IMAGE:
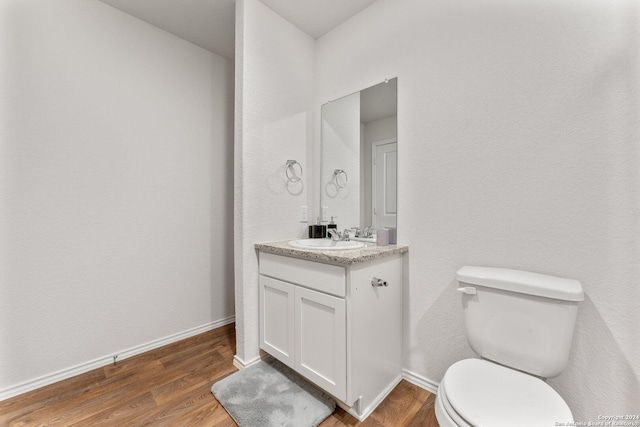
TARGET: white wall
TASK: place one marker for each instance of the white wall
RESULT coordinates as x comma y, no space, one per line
273,123
115,186
518,129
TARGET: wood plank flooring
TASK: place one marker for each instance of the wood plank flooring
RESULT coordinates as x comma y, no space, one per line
171,386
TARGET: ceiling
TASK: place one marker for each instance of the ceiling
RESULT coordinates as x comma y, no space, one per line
316,17
210,24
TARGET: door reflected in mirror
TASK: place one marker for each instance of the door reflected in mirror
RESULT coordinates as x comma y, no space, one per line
358,167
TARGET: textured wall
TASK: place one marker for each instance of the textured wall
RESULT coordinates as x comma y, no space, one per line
274,94
115,185
518,126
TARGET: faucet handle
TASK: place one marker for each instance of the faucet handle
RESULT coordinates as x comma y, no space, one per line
375,282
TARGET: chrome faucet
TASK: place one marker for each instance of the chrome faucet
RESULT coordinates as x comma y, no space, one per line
336,236
363,232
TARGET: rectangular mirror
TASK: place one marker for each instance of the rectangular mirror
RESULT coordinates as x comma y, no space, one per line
358,179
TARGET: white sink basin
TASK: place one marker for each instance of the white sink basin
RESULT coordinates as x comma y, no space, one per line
325,244
365,239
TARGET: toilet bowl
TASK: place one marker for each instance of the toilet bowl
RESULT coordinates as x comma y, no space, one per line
481,393
521,325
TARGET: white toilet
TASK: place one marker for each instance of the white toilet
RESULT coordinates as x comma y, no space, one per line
521,325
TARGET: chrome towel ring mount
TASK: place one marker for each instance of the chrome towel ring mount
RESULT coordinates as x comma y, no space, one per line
292,171
340,177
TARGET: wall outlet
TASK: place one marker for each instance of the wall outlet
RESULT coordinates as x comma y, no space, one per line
304,214
325,214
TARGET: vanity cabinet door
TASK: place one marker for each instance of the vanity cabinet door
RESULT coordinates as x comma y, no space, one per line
277,319
320,337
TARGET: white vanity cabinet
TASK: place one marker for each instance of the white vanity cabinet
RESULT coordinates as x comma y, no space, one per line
327,322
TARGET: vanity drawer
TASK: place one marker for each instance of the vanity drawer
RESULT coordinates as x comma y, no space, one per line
330,279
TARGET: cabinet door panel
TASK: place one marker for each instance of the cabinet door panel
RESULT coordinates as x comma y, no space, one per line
320,331
277,317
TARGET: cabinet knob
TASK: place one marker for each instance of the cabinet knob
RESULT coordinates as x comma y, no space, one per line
378,282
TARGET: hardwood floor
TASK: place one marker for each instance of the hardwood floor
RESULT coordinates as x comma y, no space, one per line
171,386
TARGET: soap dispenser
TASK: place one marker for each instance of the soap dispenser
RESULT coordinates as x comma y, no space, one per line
332,225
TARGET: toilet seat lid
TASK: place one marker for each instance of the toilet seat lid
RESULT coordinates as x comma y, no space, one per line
487,394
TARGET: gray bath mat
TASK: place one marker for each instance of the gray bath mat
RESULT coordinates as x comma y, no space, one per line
271,394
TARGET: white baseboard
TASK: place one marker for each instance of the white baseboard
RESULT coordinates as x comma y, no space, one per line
241,364
420,381
353,411
81,368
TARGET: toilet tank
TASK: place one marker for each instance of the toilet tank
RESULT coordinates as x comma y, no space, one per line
520,319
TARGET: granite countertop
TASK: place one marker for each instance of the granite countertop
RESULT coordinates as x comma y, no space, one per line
346,257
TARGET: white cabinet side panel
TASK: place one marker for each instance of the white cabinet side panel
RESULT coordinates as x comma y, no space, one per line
376,328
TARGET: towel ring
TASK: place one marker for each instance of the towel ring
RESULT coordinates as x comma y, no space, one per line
337,173
293,176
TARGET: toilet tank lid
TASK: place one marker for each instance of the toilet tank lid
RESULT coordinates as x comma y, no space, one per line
523,282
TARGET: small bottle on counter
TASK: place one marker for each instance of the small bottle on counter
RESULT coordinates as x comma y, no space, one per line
382,237
332,225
